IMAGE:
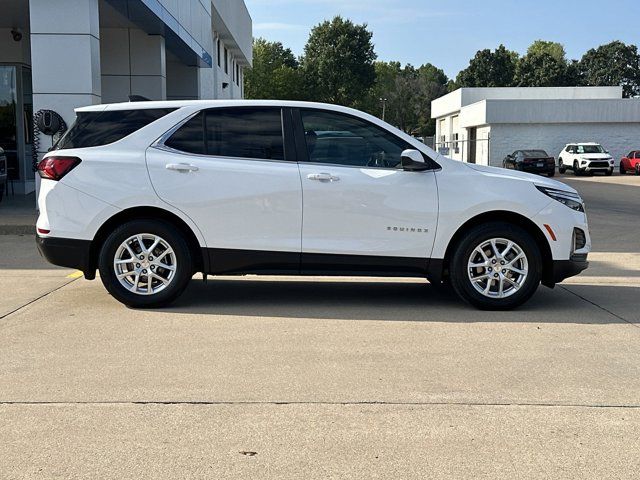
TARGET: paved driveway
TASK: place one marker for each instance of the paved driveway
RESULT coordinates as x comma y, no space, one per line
259,377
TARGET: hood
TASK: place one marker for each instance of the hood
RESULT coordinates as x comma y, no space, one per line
519,176
595,156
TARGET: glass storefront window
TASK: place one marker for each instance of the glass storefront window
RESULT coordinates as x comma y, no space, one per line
8,118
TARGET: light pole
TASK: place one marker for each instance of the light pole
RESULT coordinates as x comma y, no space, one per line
384,107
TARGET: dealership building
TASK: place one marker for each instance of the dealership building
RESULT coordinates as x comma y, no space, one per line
483,125
56,55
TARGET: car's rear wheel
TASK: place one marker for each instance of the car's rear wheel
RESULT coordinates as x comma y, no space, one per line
561,168
496,266
552,173
145,263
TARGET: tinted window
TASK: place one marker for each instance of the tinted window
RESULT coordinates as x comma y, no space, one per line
344,140
189,137
535,153
245,133
92,129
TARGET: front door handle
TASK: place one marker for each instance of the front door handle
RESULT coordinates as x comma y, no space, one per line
182,167
323,177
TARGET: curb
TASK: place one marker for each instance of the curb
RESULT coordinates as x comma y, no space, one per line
17,230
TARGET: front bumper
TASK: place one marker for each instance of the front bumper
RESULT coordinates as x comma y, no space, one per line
67,252
563,269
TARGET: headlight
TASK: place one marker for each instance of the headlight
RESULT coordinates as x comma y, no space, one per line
570,199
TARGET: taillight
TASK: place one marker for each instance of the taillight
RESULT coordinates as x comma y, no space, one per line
54,168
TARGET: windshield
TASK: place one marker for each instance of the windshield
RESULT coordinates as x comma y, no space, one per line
590,149
535,153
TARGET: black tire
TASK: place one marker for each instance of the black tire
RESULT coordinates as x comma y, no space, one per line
464,249
637,168
2,187
622,170
561,168
552,173
576,168
183,261
609,172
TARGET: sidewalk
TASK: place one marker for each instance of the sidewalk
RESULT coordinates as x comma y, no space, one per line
18,215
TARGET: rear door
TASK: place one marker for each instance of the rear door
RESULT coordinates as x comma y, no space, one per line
362,212
228,169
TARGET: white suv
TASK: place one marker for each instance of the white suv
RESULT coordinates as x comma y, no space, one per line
151,193
585,158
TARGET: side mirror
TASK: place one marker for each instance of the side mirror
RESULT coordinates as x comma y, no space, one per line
413,161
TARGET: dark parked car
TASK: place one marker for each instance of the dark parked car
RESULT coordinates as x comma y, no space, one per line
533,161
3,173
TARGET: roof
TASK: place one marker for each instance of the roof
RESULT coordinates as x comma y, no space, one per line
207,104
457,100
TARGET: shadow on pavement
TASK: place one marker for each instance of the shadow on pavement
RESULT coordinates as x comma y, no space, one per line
380,300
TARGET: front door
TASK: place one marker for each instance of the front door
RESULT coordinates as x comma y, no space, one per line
227,170
362,212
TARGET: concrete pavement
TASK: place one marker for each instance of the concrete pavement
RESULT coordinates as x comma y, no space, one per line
320,378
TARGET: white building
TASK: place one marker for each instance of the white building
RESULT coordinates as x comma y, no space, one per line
483,125
61,54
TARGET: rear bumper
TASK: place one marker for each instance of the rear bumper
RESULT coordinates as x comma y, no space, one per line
563,269
67,252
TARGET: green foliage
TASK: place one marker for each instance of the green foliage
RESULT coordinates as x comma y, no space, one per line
555,49
275,73
338,62
541,69
612,64
489,69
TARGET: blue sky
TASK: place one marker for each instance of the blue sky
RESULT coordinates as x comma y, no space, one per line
448,33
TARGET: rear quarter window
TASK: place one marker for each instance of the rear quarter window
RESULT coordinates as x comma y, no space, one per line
93,129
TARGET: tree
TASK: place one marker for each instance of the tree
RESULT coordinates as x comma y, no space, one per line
546,65
408,92
489,69
612,64
338,62
555,49
275,73
541,69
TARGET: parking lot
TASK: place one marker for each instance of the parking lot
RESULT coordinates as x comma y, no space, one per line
249,377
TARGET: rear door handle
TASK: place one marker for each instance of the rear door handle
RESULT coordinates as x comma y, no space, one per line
182,167
323,177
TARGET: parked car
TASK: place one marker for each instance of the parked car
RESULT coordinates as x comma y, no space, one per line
585,158
532,161
631,163
149,193
3,173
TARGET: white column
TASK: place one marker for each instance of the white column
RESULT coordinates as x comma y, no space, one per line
65,57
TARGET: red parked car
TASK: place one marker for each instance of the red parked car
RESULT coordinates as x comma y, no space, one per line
631,163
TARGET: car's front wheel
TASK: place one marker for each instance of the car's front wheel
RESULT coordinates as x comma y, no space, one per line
609,172
576,168
622,169
145,263
496,266
637,168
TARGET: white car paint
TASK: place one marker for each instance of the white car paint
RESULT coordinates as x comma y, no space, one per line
585,160
280,206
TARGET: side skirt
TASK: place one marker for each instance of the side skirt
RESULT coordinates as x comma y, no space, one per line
241,262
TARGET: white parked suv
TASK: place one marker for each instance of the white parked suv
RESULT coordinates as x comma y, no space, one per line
151,193
585,158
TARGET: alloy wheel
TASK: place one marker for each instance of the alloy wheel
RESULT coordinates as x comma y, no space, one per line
145,264
498,268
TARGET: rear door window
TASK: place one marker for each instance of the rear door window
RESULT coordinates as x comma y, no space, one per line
245,133
93,129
